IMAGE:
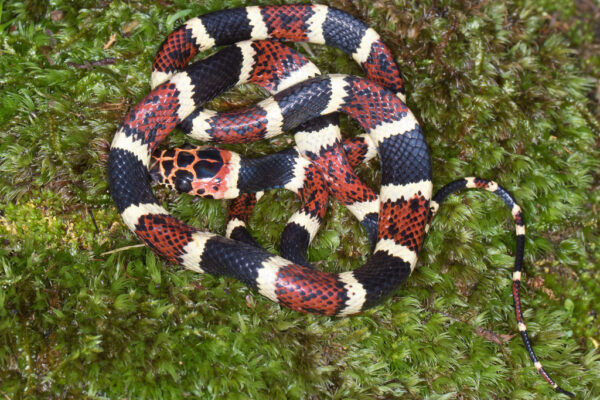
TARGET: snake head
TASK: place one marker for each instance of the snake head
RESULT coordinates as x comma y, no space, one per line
200,171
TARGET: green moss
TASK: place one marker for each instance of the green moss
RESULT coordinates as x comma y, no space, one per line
504,90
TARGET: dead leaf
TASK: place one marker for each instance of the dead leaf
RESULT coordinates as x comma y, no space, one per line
492,336
249,301
56,15
536,282
549,292
130,26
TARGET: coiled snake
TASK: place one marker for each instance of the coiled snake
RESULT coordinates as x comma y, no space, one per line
396,219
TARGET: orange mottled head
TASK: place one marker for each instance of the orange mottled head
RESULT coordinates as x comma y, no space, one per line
202,171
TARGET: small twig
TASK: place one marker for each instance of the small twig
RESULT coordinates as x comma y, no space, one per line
89,65
487,334
134,246
111,41
493,336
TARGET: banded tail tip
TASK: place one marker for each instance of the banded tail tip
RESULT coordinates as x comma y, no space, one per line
560,390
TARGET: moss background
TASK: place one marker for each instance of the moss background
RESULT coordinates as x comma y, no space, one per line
504,90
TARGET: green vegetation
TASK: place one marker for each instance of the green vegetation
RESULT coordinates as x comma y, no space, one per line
504,90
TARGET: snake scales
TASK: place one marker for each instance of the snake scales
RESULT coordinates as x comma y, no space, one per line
396,219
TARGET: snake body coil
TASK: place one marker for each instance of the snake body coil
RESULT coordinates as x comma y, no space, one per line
396,219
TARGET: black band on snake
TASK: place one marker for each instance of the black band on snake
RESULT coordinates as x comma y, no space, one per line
398,217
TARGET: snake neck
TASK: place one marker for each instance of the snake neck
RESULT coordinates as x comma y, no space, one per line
273,171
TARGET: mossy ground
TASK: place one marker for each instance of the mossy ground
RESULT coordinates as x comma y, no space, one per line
504,90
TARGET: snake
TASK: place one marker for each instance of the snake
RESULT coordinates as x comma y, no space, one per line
396,219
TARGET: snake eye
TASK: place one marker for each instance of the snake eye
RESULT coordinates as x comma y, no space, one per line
183,181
